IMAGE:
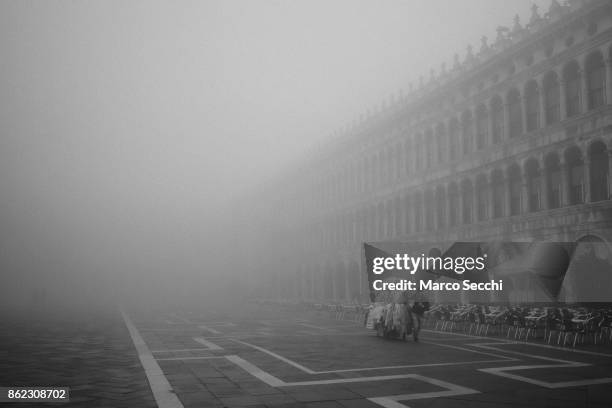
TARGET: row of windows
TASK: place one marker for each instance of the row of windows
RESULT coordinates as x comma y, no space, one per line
560,180
557,96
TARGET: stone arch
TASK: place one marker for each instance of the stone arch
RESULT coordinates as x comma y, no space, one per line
552,98
595,71
575,168
533,178
571,78
553,180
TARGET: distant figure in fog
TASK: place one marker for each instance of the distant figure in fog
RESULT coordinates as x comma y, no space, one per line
418,311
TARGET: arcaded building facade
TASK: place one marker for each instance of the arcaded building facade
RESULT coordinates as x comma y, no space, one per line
513,141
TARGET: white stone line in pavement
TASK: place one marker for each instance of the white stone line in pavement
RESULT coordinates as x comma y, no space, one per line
189,358
160,387
278,357
209,344
504,358
307,370
391,401
210,329
503,371
179,350
349,370
277,382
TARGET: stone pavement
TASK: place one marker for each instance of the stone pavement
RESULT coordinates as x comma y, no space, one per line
265,356
92,354
268,357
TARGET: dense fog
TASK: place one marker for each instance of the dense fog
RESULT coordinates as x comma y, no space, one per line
130,131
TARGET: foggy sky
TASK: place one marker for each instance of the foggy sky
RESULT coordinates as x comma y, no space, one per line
125,126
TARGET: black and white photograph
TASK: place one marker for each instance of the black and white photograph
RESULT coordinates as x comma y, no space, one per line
306,203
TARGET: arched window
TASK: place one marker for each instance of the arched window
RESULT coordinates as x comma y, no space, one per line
482,127
532,105
552,97
515,114
441,143
534,185
571,75
599,171
596,80
575,167
514,180
453,197
466,132
440,207
497,184
553,180
482,197
467,195
453,139
497,118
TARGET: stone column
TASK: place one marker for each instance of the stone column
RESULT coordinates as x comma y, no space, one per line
460,205
565,184
609,173
524,111
506,131
562,100
491,196
475,204
587,179
542,97
525,196
507,196
544,204
608,63
449,204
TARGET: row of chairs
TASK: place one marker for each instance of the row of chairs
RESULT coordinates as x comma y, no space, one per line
514,324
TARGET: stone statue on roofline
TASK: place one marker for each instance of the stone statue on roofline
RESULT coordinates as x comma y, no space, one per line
536,21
